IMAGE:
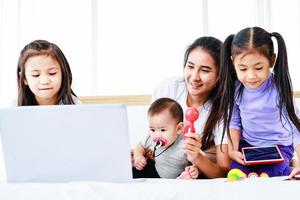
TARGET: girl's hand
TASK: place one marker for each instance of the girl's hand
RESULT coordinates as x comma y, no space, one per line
295,172
236,156
191,146
140,162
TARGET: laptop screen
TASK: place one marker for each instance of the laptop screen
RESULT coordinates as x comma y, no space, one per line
66,143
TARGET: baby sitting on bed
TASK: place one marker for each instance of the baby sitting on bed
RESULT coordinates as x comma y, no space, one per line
165,141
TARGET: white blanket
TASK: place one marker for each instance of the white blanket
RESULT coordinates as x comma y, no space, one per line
164,189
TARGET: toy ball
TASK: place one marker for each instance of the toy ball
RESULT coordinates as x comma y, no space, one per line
192,114
264,175
252,175
235,175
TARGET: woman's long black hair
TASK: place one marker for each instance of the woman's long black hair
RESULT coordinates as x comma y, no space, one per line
213,47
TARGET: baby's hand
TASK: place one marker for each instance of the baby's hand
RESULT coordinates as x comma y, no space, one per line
140,162
193,171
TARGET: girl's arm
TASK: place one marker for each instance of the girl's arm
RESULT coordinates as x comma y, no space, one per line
210,169
297,149
233,146
296,170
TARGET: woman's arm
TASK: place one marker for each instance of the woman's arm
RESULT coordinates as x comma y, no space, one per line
210,169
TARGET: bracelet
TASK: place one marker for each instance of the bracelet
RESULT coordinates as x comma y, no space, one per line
202,152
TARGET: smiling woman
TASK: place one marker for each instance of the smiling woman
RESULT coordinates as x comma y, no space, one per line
197,88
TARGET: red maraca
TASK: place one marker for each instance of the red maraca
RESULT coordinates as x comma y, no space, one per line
191,115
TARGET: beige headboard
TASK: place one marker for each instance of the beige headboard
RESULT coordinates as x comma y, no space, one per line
123,99
128,99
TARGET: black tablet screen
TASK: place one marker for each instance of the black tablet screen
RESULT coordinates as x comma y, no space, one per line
261,153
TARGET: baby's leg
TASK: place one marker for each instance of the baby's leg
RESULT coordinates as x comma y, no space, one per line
184,175
190,172
149,171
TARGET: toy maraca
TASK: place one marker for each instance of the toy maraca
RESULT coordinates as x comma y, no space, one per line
191,115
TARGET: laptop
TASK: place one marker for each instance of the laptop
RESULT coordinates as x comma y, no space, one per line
66,143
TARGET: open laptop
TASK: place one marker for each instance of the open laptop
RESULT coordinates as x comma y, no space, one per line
66,143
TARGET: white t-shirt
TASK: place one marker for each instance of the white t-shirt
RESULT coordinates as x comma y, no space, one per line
175,88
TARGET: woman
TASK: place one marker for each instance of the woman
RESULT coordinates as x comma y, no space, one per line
206,149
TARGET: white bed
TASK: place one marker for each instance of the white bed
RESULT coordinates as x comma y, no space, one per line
219,189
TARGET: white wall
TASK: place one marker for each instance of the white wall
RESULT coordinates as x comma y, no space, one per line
118,47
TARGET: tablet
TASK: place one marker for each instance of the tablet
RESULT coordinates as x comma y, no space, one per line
262,155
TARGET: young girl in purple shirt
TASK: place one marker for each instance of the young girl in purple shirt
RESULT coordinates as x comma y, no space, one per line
257,99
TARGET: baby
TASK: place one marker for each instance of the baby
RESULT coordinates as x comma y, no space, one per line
165,141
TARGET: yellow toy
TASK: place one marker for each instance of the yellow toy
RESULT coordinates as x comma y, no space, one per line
264,175
235,175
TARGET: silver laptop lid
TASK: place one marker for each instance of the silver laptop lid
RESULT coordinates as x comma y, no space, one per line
66,143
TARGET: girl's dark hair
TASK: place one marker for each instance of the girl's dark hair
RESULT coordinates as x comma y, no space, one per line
43,47
258,40
171,105
213,47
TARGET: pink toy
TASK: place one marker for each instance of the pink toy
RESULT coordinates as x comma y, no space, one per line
191,115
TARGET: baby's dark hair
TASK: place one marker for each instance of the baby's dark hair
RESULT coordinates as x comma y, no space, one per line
162,104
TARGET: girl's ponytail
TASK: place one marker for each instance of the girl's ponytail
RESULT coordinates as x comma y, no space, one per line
227,78
283,81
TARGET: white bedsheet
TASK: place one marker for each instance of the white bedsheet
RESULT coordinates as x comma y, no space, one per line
219,189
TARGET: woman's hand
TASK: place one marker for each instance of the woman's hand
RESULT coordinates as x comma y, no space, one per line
236,156
191,146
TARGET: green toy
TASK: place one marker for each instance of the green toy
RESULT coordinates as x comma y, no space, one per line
235,175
